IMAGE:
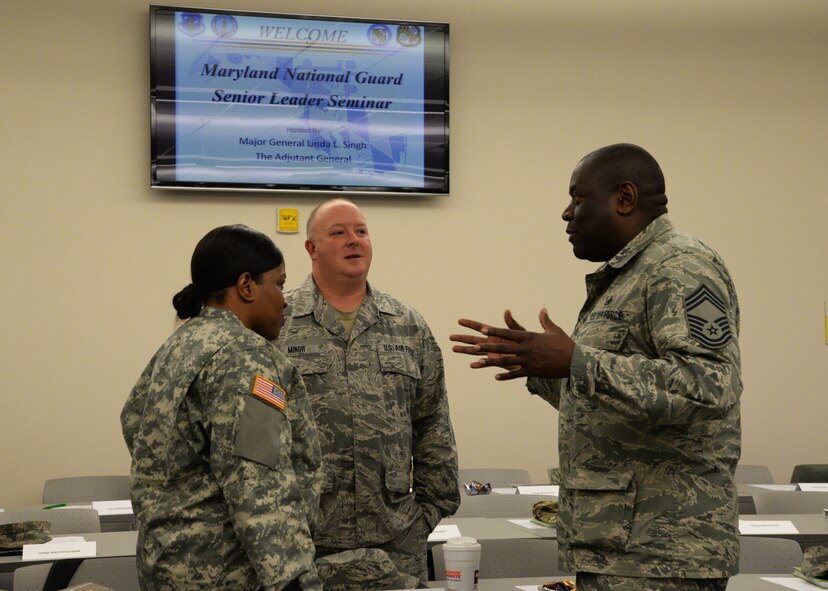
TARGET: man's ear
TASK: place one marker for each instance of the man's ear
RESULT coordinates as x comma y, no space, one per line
627,200
246,287
311,248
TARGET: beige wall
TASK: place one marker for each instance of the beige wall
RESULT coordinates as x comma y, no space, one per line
730,96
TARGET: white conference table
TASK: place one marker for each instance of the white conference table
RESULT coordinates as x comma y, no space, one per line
107,545
118,522
813,529
737,583
497,528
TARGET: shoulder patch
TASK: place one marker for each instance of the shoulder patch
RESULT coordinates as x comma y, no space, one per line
269,392
707,318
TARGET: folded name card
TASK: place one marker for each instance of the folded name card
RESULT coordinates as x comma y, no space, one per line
442,533
748,528
817,486
539,489
791,583
56,550
528,524
775,486
113,507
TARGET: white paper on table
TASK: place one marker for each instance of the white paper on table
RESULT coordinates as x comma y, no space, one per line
504,491
113,507
527,523
58,549
442,533
66,540
758,527
817,486
539,489
527,587
791,583
775,486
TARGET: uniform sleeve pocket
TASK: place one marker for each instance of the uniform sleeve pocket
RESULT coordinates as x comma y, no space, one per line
602,509
259,433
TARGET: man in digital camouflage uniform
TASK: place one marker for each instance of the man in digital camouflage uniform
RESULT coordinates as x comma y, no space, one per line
375,377
647,387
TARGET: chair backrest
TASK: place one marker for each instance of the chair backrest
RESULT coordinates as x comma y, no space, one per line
810,473
64,521
31,578
497,505
81,489
119,573
767,555
790,501
513,558
753,474
497,477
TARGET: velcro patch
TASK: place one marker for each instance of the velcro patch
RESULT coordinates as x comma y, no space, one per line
269,392
707,318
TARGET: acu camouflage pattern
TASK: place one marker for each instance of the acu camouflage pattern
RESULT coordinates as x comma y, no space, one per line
649,425
382,413
14,535
815,562
546,511
224,486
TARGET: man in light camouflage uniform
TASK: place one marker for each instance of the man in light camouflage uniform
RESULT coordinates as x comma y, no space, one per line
648,389
375,377
226,462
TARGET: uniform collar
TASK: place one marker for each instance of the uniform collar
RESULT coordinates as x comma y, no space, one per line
654,229
218,313
306,298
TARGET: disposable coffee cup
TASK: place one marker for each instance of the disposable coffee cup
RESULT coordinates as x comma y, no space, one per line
462,558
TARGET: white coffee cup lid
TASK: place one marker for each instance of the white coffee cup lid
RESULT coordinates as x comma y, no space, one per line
462,541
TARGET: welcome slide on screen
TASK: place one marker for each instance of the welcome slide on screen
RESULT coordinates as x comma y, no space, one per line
291,101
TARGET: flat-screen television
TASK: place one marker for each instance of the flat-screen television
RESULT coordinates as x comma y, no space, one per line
246,100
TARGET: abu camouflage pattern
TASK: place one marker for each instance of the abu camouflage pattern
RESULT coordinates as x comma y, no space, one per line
224,485
382,414
363,569
649,425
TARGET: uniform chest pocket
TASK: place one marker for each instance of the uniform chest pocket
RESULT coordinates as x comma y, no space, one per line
312,364
602,333
398,362
400,377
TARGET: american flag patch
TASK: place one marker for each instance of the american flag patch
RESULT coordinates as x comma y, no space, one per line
269,391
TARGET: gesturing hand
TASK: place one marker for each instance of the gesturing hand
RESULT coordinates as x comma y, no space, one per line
547,354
